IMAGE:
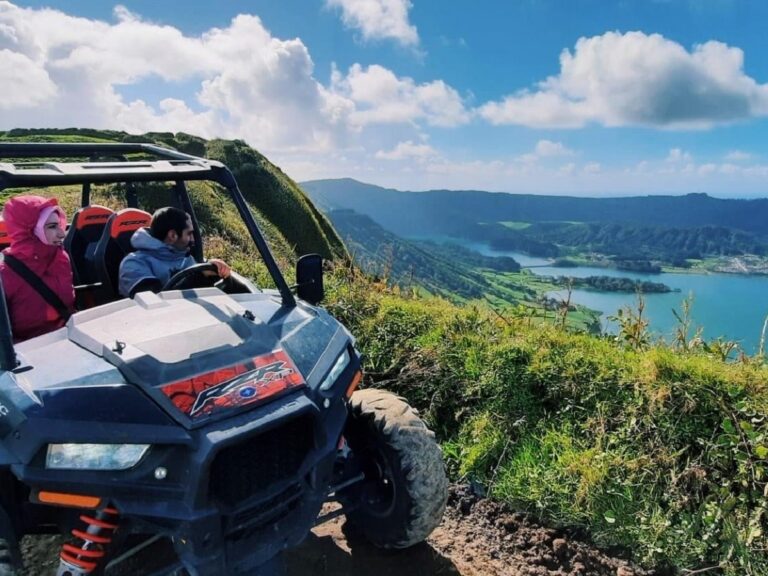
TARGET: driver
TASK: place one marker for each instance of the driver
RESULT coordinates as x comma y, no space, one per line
161,251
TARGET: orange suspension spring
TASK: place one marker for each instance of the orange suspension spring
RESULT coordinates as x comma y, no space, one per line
90,545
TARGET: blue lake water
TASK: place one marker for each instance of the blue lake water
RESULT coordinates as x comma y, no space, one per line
728,305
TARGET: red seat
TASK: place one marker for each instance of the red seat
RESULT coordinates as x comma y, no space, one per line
115,244
81,241
5,240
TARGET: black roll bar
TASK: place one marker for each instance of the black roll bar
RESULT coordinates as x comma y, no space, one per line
8,360
227,179
172,166
88,150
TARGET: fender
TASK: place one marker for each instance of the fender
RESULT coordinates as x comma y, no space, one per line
7,458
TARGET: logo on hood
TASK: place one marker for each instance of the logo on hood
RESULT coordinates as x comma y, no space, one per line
263,377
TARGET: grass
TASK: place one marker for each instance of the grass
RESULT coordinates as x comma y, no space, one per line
654,450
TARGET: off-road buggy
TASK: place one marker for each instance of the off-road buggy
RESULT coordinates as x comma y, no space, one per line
216,419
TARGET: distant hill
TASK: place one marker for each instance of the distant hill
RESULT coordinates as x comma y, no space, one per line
447,270
439,212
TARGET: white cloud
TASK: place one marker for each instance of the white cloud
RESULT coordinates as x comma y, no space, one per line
57,70
638,79
251,85
25,83
378,19
545,149
738,156
407,150
593,168
677,155
548,149
381,98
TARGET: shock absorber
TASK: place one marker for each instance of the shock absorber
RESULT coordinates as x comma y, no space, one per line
89,548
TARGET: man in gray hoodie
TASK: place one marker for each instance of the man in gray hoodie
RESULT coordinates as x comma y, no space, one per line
162,250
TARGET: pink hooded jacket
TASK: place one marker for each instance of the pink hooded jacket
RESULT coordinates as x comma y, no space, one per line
30,314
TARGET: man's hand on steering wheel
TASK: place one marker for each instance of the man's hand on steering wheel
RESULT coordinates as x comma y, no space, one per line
222,268
197,276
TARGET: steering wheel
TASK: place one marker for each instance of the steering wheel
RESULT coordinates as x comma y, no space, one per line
193,277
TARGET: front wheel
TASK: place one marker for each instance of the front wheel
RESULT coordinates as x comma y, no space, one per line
403,496
7,567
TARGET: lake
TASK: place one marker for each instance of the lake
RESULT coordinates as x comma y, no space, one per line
727,305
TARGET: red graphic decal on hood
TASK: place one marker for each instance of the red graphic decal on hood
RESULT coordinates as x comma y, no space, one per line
233,386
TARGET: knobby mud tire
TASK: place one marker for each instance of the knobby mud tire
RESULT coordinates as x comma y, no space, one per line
395,444
7,567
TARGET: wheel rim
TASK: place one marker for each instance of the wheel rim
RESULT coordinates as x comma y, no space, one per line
379,489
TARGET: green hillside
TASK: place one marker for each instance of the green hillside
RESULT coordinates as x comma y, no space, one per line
648,242
445,271
657,450
452,271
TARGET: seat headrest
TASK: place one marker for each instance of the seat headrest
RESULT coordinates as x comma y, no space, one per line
123,224
94,215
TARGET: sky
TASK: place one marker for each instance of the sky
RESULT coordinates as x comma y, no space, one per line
579,97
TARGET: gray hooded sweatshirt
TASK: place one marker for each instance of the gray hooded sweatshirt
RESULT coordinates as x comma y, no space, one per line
153,259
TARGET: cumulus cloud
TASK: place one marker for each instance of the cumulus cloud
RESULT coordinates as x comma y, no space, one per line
382,97
637,79
546,149
406,150
25,83
677,155
738,156
58,70
378,19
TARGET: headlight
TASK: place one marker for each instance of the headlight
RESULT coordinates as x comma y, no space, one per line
338,367
94,456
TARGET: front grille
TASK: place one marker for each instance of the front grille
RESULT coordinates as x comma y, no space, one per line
247,468
247,522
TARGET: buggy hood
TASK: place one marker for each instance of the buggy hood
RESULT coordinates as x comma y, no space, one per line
201,354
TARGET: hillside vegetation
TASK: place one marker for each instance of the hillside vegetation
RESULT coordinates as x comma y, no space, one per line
659,449
438,269
452,271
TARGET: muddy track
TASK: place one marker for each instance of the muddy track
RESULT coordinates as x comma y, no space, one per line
477,537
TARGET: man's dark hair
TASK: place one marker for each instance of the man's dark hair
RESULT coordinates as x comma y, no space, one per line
166,219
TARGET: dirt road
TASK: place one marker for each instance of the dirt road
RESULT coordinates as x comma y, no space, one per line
478,537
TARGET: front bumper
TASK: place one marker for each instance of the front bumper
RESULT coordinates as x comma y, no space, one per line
236,492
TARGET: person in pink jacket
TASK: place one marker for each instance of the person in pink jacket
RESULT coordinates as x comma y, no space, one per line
36,227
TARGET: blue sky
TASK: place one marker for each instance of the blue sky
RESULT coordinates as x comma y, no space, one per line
586,97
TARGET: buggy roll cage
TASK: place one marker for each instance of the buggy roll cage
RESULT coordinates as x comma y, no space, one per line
107,164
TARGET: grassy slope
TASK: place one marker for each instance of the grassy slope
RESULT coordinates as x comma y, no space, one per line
662,452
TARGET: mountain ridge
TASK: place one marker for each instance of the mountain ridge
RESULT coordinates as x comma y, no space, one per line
447,211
